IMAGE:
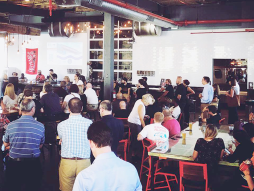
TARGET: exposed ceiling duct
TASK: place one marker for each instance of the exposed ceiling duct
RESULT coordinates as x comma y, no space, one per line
146,29
127,13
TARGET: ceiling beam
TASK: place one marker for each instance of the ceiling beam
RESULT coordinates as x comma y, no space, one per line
10,28
74,19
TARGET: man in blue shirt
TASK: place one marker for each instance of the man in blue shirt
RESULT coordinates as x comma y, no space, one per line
207,94
25,137
108,172
75,149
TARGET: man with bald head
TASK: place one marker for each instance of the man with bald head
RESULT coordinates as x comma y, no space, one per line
122,112
180,93
171,123
115,103
92,98
75,154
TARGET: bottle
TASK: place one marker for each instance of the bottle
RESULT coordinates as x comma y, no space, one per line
199,121
245,165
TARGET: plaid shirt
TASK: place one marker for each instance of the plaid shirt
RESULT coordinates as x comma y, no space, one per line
3,121
73,133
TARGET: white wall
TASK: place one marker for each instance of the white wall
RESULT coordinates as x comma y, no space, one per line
179,53
17,62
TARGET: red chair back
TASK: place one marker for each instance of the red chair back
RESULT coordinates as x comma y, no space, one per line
221,121
152,121
193,171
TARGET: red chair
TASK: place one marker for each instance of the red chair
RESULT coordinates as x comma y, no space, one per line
193,175
246,187
221,121
152,121
122,147
125,123
168,176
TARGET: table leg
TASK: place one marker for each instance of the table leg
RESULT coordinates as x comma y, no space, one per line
153,160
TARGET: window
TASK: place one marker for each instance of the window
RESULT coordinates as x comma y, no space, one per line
123,33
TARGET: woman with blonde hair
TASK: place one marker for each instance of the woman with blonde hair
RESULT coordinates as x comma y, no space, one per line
68,83
10,99
43,92
209,150
136,119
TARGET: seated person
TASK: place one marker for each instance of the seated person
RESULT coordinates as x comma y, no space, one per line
214,116
40,77
92,99
29,95
50,103
10,99
115,104
151,110
122,112
175,109
107,172
170,123
21,95
125,89
61,91
23,78
52,77
155,131
249,174
249,128
209,150
74,90
82,96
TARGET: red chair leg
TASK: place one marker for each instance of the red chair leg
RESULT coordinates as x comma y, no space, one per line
141,169
167,182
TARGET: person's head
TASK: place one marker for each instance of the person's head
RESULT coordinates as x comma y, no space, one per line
66,79
216,87
212,109
105,108
28,87
43,88
88,85
141,82
76,77
39,72
124,81
51,71
27,107
22,75
9,90
74,88
167,113
122,105
100,139
186,82
5,77
81,89
158,117
145,79
119,96
48,88
168,81
28,93
179,80
249,128
211,131
75,105
14,74
62,84
241,136
232,81
205,80
148,99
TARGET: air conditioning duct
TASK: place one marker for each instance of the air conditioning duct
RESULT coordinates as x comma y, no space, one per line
146,29
59,29
68,3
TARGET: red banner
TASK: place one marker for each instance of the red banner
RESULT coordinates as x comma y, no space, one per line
31,60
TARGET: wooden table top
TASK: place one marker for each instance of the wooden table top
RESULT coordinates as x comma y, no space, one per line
11,112
181,149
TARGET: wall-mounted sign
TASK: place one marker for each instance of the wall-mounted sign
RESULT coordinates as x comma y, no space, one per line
31,61
145,73
74,71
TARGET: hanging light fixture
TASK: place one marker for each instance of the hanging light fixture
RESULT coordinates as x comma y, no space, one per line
18,41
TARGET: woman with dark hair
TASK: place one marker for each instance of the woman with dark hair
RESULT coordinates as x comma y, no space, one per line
189,91
233,101
141,89
74,92
216,95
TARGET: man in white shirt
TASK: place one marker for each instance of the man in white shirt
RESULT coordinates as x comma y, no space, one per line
92,99
175,109
156,131
108,172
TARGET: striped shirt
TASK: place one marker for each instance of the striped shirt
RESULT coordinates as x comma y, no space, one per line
73,133
25,136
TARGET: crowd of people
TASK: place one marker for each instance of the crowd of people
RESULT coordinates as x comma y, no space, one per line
90,131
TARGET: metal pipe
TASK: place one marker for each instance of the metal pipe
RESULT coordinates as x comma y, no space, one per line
185,23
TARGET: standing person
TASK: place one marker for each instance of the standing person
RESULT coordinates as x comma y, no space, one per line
52,77
168,95
207,94
136,120
116,125
75,149
234,93
141,89
125,89
10,99
189,91
76,80
43,92
40,77
108,172
216,95
25,137
74,90
180,93
146,85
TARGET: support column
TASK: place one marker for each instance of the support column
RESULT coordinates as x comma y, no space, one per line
108,64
